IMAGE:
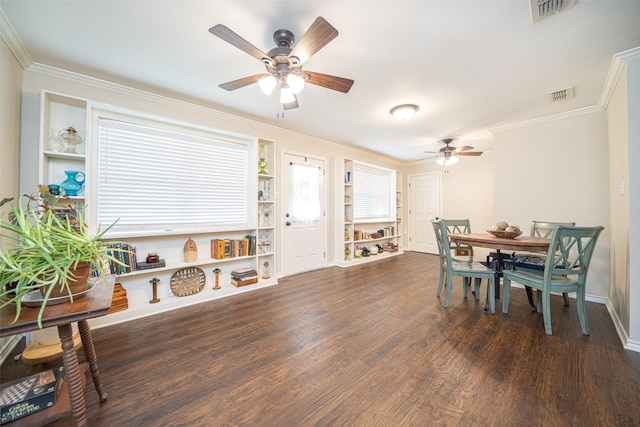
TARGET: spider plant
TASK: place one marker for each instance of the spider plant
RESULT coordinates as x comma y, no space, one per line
44,244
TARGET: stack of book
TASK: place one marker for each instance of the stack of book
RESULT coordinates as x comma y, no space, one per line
244,276
232,248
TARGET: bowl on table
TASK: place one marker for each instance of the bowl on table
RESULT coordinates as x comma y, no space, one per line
505,234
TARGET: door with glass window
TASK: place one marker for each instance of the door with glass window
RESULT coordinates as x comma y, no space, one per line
304,242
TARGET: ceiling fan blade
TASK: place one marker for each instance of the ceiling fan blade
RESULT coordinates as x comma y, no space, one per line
291,105
232,38
319,34
465,148
470,153
245,81
330,82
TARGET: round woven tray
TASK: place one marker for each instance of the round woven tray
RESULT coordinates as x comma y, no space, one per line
187,281
505,234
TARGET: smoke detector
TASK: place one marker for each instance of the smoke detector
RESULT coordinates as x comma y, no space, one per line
541,9
561,94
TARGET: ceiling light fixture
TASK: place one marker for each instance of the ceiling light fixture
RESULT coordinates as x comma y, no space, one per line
448,159
290,84
404,111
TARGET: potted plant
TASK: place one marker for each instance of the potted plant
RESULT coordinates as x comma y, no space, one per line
49,250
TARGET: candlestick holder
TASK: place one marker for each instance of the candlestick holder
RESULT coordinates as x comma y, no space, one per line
154,282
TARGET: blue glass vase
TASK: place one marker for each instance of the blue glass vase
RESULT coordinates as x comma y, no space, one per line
73,183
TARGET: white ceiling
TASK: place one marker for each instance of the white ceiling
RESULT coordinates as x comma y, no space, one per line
470,65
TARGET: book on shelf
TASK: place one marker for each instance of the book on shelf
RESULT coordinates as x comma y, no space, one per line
247,281
244,273
143,265
232,248
127,257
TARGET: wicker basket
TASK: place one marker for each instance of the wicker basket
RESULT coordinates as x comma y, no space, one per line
505,234
187,281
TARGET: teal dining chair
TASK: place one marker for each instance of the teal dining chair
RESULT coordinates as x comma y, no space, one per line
459,226
565,270
544,229
465,268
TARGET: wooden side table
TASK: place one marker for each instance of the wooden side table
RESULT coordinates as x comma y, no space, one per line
94,304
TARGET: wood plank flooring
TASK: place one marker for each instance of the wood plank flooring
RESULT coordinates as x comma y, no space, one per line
369,345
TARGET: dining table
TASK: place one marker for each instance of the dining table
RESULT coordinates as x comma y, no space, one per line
496,261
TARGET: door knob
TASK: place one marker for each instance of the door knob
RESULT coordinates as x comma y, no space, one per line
287,223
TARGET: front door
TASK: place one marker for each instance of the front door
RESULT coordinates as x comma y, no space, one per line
304,242
424,206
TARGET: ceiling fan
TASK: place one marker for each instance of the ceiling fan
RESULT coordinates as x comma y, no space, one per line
284,62
449,155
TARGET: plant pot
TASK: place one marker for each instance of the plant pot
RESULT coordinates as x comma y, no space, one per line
78,279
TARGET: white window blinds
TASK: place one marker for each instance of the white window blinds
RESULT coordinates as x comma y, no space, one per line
371,192
155,180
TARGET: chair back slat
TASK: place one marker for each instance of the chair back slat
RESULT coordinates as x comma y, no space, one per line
458,226
545,228
442,238
571,250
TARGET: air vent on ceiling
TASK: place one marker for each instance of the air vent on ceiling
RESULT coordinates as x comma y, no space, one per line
561,94
541,9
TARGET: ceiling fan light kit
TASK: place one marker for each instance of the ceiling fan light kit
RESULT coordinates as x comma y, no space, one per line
284,62
449,155
448,160
404,111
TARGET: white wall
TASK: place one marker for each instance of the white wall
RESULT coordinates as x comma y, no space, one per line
558,170
619,203
10,89
467,189
633,90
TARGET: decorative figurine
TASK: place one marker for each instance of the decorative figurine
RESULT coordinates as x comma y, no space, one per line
154,283
347,253
265,191
216,272
266,270
71,138
265,216
262,162
190,251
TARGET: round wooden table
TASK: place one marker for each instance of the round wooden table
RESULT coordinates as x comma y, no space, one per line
486,240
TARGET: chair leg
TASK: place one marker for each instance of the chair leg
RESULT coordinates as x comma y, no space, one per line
546,312
582,312
441,281
466,282
539,300
478,281
506,293
449,289
492,295
565,298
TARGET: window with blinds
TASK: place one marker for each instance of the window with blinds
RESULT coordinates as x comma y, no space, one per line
154,180
372,190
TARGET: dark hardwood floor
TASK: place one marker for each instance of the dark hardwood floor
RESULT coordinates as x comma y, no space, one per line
364,346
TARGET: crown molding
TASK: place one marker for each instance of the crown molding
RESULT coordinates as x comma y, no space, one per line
548,119
10,37
616,68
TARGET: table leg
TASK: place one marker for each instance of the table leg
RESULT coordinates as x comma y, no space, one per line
90,354
72,375
530,297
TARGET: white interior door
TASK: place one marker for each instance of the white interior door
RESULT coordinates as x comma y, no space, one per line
425,205
304,241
